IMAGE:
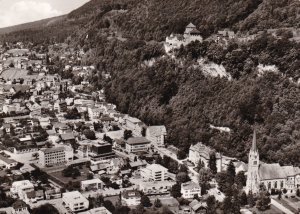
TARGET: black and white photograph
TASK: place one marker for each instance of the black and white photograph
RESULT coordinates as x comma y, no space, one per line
149,106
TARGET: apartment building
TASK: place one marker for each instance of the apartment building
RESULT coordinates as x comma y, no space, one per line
137,144
20,188
154,172
52,156
190,189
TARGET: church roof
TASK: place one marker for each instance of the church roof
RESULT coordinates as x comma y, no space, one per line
275,171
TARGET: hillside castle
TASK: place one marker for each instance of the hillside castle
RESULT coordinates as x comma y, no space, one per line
191,34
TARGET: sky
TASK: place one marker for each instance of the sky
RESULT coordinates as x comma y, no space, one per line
13,12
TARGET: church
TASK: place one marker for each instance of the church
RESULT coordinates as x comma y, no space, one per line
272,176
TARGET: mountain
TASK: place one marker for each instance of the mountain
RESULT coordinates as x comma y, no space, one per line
31,25
125,35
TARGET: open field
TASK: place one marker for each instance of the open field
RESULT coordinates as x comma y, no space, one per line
14,73
57,174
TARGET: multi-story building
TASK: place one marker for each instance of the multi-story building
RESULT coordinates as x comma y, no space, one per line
53,156
75,201
137,144
131,197
93,184
8,163
101,151
156,134
190,189
201,152
134,124
20,188
154,172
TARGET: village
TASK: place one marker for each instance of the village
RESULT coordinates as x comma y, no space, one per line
64,145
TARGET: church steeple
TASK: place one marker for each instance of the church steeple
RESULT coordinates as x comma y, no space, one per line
253,166
254,148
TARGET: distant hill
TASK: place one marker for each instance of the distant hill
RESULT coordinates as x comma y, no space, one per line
31,25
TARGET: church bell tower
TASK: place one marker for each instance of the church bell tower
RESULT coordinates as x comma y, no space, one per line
253,165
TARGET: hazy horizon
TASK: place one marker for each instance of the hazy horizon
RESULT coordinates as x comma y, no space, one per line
15,12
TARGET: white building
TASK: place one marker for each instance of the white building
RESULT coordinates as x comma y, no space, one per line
190,189
55,155
99,210
20,188
137,144
131,197
156,134
8,163
134,124
155,187
201,152
93,184
75,201
154,172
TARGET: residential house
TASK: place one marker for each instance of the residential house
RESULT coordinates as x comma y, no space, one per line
198,207
34,196
131,197
19,207
190,189
75,201
20,188
8,163
156,134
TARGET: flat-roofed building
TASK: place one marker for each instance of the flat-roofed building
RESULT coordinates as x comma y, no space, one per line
190,189
8,163
93,184
101,151
156,134
52,156
155,187
75,201
154,172
99,210
137,144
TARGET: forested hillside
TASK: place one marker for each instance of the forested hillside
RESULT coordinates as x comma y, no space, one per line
123,35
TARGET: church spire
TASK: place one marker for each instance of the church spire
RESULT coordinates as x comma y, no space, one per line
254,148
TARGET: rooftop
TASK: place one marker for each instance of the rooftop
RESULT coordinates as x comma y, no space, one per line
137,140
74,197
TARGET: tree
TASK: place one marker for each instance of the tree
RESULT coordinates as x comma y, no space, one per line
212,163
145,201
244,200
211,204
45,209
35,155
109,206
181,155
89,134
227,204
175,191
240,179
231,171
205,176
182,177
298,192
127,134
251,200
157,203
263,201
200,165
139,209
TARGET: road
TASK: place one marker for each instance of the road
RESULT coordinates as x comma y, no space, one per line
281,207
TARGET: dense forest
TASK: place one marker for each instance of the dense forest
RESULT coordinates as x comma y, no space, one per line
124,35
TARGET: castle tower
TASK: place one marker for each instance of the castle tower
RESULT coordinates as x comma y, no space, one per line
253,165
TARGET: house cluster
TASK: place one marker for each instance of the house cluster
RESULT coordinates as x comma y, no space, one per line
60,142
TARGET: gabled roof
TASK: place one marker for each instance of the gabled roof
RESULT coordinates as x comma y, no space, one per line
271,171
191,25
137,140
